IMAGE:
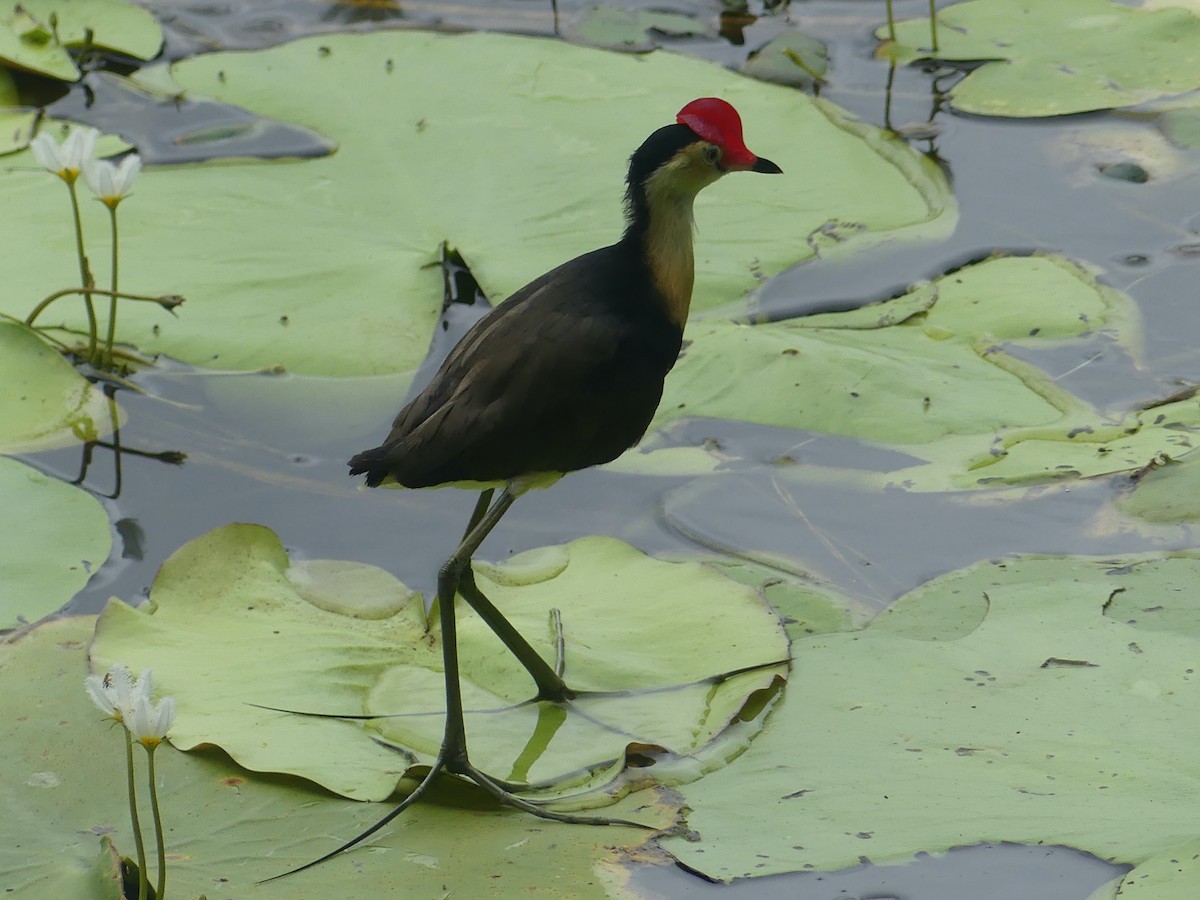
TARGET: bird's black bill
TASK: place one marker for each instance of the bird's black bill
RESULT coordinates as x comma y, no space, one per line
766,167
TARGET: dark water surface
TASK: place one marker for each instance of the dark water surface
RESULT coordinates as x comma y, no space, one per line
1020,185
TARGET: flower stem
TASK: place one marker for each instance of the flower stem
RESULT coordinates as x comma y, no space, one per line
158,829
85,276
112,302
143,880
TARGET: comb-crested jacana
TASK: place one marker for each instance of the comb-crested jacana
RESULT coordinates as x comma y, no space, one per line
566,374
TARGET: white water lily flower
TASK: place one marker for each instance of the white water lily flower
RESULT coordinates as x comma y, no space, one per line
113,691
111,183
150,723
66,160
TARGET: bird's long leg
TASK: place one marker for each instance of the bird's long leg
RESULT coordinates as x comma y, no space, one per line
550,685
454,743
453,755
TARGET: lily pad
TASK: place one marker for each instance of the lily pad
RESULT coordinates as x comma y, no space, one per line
632,29
792,57
36,34
1052,59
231,623
909,371
53,536
1171,875
1169,490
340,248
64,788
16,129
46,403
1003,702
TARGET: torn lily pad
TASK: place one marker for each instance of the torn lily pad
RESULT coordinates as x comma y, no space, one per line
227,632
1053,59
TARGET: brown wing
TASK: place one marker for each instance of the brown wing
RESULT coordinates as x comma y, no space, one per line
555,379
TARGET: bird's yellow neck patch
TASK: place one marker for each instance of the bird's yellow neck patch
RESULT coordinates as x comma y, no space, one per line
669,193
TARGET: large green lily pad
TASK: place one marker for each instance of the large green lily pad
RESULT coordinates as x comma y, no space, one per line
46,403
53,536
1009,701
323,266
232,622
64,788
924,369
35,34
1052,59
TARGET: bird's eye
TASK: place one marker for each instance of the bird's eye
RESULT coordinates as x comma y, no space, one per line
712,154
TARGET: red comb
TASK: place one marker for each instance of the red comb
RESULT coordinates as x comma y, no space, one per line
717,122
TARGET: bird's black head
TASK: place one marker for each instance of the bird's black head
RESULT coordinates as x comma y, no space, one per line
679,160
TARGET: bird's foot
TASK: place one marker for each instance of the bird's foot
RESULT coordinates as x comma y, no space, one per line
507,794
455,762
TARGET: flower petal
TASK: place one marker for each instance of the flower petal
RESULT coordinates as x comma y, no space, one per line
47,152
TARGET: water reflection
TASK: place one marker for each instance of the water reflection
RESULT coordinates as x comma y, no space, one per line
91,445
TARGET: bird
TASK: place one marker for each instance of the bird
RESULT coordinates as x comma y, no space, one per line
566,374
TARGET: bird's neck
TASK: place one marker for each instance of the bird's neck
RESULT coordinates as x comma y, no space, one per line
659,230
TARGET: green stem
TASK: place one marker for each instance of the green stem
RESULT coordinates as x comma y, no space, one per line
143,881
85,276
112,302
933,23
158,829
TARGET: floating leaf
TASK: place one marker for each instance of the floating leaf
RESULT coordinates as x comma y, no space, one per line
907,371
792,57
231,623
1171,875
45,403
631,29
341,247
53,536
35,34
16,129
1169,491
1052,59
64,788
1003,702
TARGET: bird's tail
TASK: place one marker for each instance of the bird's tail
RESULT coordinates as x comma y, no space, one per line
372,463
